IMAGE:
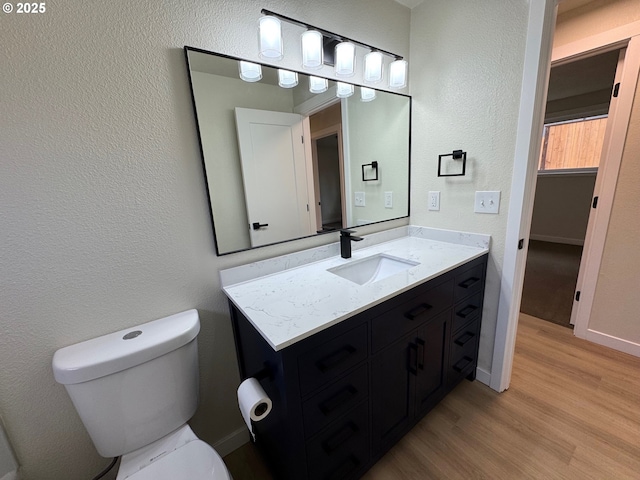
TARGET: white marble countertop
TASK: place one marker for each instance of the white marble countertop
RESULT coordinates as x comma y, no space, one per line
288,300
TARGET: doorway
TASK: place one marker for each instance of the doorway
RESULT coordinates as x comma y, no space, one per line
327,153
328,168
578,101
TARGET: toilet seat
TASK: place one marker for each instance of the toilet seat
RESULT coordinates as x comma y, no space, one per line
194,461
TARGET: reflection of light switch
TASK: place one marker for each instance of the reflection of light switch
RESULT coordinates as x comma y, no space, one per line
388,199
359,199
487,202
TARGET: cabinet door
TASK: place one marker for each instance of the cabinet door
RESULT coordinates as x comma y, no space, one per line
431,353
393,392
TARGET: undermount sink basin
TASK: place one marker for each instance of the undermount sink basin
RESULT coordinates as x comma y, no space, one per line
373,268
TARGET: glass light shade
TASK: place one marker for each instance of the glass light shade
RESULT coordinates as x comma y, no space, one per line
398,74
318,85
367,94
343,90
249,72
312,49
270,35
373,67
287,79
345,63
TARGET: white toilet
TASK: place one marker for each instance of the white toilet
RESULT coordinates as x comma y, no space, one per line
135,390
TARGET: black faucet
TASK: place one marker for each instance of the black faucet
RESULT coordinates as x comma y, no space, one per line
345,242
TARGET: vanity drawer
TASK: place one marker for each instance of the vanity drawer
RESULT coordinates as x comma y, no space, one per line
468,282
334,401
464,342
466,311
464,352
396,322
331,359
340,451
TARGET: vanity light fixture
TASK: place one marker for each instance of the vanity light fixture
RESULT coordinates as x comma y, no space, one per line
270,35
318,85
287,79
343,90
312,57
249,72
398,74
345,59
373,67
322,47
367,94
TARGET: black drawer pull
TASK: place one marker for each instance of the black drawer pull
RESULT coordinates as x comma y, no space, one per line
412,358
335,359
466,311
469,282
421,344
343,435
419,310
463,339
337,400
345,470
462,364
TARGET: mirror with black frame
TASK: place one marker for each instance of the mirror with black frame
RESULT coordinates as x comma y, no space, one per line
282,163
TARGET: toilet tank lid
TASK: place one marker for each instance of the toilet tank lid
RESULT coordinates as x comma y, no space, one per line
124,349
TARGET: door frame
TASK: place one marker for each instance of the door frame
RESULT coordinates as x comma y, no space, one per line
538,58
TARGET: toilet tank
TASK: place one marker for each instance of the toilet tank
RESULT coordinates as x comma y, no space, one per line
134,386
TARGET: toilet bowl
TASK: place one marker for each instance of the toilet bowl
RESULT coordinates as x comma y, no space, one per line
135,390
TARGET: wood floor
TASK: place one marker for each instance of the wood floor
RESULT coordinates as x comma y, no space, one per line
572,412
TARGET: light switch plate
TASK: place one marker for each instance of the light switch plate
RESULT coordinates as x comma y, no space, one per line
359,199
388,199
487,202
434,201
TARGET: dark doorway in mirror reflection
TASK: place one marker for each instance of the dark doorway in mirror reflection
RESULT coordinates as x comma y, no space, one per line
328,166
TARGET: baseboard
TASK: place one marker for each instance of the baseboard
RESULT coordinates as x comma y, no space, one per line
483,376
552,239
232,442
616,343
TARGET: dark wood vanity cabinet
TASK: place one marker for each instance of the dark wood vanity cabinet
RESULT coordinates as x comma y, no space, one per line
344,396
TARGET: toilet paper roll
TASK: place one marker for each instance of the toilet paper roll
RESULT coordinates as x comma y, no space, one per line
253,402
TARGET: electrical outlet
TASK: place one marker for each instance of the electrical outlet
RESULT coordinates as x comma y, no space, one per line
388,199
359,199
434,201
487,202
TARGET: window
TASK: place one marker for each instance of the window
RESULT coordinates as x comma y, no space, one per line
576,144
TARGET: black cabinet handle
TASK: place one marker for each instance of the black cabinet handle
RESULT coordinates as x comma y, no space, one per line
469,282
466,311
463,339
416,312
258,225
337,400
345,470
344,434
335,359
462,364
421,344
413,358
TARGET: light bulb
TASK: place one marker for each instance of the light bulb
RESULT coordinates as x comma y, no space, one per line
345,59
311,49
270,35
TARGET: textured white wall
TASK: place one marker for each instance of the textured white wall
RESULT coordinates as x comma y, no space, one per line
466,74
103,210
